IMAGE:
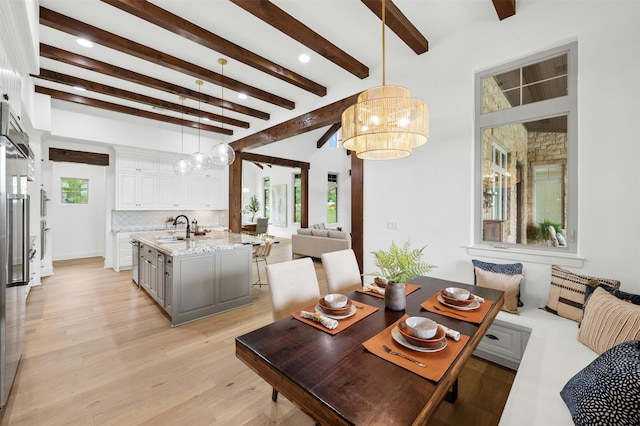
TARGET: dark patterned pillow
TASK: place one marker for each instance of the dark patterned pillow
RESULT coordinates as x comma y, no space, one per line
607,391
567,290
622,295
498,268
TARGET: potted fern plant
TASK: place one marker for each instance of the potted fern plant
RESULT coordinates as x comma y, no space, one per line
397,265
253,207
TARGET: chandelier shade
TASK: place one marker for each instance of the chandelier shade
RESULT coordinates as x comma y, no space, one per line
385,123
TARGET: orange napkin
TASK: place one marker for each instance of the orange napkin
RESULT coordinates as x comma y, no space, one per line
475,316
361,313
437,362
408,289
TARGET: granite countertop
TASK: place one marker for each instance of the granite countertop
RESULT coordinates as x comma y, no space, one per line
212,241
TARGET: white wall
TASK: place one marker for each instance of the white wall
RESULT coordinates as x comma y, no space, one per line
77,230
430,194
323,161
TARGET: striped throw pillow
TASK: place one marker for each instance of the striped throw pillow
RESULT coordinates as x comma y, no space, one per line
566,294
608,321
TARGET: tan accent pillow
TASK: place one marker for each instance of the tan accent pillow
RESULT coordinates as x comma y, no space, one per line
566,293
510,284
608,321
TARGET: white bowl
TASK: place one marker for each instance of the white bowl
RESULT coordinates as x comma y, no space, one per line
421,327
336,300
458,293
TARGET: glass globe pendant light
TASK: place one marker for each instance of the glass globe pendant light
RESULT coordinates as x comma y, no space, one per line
199,160
221,153
182,166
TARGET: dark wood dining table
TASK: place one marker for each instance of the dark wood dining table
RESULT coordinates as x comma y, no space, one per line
336,381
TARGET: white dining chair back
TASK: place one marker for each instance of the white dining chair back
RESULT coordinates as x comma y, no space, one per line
293,285
342,271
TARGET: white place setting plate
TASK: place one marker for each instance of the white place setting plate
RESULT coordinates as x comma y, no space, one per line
397,336
473,305
351,312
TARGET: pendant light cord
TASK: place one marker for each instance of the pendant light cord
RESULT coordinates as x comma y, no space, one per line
182,126
384,76
199,83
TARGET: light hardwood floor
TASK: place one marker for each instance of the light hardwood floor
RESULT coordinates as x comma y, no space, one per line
99,352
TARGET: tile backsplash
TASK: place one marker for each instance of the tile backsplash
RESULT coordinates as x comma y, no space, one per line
148,220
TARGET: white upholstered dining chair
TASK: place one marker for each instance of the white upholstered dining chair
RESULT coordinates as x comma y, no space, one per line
342,271
293,285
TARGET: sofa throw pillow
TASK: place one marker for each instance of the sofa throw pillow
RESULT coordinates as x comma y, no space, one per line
320,232
304,231
499,268
342,235
607,391
608,321
510,284
566,293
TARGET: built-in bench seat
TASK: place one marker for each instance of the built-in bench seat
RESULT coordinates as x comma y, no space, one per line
551,357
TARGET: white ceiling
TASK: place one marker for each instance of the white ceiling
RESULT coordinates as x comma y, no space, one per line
349,24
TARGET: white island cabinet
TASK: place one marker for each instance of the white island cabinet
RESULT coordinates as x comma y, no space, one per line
194,278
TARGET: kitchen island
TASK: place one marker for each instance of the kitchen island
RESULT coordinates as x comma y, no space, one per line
192,278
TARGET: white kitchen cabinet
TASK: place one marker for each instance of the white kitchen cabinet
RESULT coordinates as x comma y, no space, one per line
123,251
174,192
209,190
136,192
148,182
130,162
504,344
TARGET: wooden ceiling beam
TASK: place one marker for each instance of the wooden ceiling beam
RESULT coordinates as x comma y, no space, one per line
504,8
83,100
174,23
132,96
80,29
282,21
321,117
399,24
87,63
327,135
275,161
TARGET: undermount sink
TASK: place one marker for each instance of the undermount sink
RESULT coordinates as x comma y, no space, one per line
167,239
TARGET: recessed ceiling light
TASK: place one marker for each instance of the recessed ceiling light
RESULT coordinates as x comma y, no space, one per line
84,42
304,58
242,96
80,89
205,119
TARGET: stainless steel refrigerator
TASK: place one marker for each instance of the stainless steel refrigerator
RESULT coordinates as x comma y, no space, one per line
15,159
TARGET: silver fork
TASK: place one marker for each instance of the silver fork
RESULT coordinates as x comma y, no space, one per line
448,311
392,352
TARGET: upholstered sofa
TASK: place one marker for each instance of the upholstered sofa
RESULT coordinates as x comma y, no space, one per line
314,242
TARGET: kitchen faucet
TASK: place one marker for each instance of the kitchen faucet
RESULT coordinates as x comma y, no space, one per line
175,222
